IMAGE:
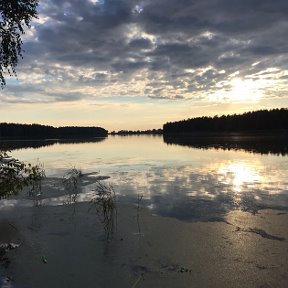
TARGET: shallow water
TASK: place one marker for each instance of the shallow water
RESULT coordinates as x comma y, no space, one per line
153,182
182,182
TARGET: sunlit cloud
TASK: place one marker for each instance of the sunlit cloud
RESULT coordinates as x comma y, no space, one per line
238,90
203,53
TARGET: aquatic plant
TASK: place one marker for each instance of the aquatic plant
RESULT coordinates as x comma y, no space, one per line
36,175
139,198
105,205
135,284
71,179
15,175
71,182
104,201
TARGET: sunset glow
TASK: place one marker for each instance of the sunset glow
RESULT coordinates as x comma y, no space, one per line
111,63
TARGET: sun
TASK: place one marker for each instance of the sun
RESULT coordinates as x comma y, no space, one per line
244,91
238,90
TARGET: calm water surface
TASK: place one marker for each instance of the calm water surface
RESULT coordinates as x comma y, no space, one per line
178,181
170,184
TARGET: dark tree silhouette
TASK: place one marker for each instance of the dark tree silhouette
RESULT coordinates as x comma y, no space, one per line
262,120
14,16
138,132
36,131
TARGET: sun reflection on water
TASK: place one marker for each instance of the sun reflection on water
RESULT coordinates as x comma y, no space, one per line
239,174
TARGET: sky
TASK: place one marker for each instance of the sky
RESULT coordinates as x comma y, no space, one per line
132,64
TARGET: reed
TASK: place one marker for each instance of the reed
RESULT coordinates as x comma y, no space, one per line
105,205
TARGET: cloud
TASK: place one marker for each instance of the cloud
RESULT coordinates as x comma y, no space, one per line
158,49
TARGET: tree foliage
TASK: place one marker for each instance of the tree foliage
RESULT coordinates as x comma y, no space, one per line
37,131
15,175
15,15
275,119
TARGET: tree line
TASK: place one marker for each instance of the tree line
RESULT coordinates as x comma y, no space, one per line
275,119
137,132
37,131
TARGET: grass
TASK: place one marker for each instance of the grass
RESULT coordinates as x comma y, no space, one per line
105,205
137,282
71,183
71,179
104,202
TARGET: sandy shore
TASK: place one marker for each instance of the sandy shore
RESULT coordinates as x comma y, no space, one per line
65,246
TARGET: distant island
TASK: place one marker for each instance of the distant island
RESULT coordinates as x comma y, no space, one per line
260,121
37,131
138,132
263,131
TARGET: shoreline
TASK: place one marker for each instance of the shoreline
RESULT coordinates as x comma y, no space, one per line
245,250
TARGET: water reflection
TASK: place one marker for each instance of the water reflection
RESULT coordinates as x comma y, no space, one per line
206,193
263,144
239,175
186,183
24,144
209,192
171,180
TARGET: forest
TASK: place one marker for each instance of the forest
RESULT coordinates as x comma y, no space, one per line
261,120
37,131
137,132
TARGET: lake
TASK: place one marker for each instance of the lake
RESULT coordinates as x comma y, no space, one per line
183,214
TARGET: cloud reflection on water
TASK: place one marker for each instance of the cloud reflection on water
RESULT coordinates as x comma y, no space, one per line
176,181
189,193
239,174
209,192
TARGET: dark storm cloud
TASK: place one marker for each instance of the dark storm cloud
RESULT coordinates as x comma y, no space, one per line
164,37
140,43
224,16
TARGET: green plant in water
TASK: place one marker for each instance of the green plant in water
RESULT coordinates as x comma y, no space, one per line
15,175
104,202
71,182
36,175
105,205
139,198
135,284
71,179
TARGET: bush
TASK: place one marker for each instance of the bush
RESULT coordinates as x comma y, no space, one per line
15,175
